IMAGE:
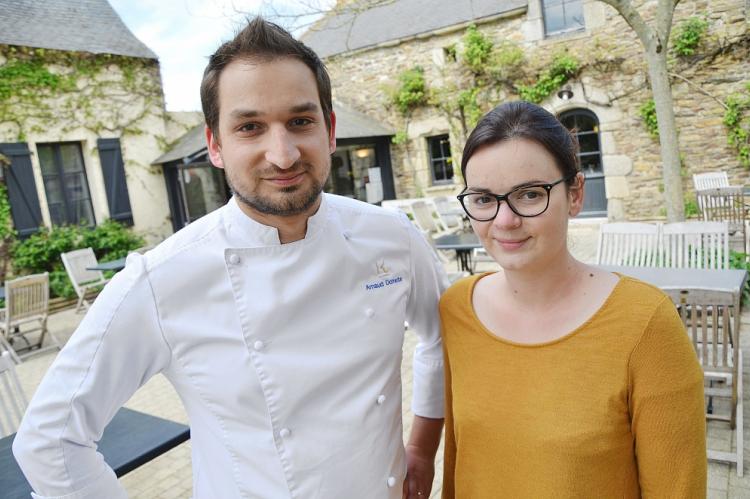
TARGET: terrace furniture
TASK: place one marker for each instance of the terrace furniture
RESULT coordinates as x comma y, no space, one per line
726,204
702,245
710,180
25,312
13,401
76,265
428,219
628,243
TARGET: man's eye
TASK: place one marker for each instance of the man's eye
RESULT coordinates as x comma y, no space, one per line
248,127
300,122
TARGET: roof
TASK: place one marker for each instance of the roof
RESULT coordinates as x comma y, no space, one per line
73,25
350,124
348,29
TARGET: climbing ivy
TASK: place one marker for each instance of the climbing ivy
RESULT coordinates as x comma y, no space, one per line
563,67
412,91
737,121
477,49
42,88
647,112
687,36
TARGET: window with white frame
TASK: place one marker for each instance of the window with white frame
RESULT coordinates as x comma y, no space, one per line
441,161
562,16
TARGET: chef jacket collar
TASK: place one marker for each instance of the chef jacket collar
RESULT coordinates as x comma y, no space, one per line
250,233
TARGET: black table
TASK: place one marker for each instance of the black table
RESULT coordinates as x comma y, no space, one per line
463,243
130,440
115,265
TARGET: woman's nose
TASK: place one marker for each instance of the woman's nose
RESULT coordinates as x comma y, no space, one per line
506,218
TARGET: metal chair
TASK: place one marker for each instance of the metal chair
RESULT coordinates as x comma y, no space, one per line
629,244
709,317
700,245
76,265
25,312
726,204
13,402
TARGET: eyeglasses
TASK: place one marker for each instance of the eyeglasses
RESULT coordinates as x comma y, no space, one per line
525,201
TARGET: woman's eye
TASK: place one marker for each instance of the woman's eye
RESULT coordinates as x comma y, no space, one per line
530,194
482,200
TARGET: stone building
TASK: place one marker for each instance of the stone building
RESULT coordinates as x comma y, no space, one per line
368,49
81,118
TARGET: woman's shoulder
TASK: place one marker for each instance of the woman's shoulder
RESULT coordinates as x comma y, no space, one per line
460,291
634,291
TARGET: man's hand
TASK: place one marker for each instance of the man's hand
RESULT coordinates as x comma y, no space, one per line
420,457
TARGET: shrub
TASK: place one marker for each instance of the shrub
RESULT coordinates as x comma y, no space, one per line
41,252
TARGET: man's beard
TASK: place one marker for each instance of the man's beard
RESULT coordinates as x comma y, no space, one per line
298,199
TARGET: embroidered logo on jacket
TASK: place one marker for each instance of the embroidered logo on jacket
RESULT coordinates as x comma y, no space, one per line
385,276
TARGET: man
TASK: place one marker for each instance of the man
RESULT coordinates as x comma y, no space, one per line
278,318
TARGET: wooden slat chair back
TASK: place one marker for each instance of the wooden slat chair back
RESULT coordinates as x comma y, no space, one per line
700,245
726,204
709,318
425,215
628,243
26,303
76,264
450,211
710,180
12,399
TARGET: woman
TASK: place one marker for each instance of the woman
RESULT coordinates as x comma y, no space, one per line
563,380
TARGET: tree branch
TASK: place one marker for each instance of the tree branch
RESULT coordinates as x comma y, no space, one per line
647,35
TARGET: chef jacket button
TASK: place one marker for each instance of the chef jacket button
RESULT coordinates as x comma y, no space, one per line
284,432
234,259
381,399
369,312
391,481
347,235
258,345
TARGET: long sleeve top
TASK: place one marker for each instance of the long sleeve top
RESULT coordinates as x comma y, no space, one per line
615,408
286,357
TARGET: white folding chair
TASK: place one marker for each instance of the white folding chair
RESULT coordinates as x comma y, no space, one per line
450,211
700,245
76,265
628,243
25,313
709,317
12,399
428,219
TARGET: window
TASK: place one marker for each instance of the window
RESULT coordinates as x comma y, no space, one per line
561,16
65,183
441,162
585,126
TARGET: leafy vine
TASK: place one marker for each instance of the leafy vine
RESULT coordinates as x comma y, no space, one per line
737,121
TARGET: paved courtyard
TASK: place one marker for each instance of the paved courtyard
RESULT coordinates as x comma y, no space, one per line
170,475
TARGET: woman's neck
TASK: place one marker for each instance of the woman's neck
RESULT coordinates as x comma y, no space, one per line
545,284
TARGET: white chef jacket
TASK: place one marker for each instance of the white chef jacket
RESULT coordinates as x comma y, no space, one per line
286,357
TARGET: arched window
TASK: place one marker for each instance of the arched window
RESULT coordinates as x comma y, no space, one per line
585,125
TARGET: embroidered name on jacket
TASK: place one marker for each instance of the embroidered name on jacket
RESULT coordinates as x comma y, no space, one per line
385,277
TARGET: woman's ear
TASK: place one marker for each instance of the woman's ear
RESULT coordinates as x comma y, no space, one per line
576,193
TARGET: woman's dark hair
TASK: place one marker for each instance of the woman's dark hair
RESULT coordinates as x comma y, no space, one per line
524,120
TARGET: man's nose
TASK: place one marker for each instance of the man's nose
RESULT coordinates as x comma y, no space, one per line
281,149
506,218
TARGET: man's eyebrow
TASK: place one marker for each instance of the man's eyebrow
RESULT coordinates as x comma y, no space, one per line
244,113
305,107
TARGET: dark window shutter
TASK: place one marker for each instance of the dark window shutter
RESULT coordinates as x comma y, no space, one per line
113,169
19,179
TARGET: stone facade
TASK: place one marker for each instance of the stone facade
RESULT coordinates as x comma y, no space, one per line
91,97
612,84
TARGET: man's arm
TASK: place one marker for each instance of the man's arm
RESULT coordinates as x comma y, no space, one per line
428,405
117,347
420,457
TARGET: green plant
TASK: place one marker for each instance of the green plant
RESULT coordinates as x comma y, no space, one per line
400,137
691,207
467,100
647,111
687,36
411,92
739,260
41,251
477,49
737,121
563,67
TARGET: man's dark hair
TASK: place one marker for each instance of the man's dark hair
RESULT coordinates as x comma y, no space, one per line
262,41
523,120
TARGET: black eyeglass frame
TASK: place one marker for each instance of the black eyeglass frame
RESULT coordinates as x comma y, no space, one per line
504,197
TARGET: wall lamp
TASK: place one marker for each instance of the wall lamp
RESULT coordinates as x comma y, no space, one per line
566,93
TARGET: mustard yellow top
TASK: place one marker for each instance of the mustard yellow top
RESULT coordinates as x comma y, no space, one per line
613,409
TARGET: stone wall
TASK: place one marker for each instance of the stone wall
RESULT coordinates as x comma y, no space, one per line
613,84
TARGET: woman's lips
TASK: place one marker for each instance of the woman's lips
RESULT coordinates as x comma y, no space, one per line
511,244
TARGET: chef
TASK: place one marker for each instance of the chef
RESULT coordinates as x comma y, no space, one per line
278,318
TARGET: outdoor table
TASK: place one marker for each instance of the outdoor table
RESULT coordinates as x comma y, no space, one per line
463,243
130,440
115,265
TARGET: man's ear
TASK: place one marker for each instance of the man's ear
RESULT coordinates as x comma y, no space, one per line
576,193
332,134
214,148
